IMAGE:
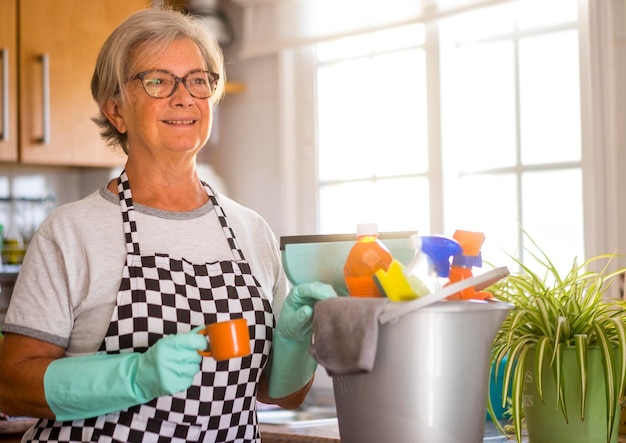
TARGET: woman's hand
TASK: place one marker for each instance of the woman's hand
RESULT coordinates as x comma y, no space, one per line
291,366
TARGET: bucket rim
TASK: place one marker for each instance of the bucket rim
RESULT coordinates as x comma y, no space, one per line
464,306
393,311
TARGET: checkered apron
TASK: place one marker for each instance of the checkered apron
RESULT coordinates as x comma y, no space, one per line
162,295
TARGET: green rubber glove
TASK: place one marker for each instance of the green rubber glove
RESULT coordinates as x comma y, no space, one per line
93,385
292,366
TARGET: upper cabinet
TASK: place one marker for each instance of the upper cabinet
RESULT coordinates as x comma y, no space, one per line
58,45
8,79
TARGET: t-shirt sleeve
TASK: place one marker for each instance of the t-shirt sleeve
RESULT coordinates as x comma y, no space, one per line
40,306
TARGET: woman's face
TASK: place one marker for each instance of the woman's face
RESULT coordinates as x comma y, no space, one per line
166,126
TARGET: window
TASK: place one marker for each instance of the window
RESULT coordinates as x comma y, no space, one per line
504,148
372,131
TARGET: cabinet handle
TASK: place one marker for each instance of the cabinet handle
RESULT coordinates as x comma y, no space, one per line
45,103
4,131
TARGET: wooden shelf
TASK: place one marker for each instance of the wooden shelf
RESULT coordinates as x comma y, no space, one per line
235,88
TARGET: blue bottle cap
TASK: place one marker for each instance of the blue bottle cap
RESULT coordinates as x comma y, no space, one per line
468,261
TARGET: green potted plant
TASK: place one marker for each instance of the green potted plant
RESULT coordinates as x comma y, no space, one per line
563,348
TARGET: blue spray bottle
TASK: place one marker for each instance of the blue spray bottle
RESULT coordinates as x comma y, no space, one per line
439,250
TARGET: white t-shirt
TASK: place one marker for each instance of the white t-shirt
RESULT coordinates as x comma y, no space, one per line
67,288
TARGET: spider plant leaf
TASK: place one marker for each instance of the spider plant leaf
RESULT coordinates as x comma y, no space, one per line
517,390
509,367
561,330
581,358
543,348
584,319
609,378
620,357
490,411
545,319
557,369
512,363
518,321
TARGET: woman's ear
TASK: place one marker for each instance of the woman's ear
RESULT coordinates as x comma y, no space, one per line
111,110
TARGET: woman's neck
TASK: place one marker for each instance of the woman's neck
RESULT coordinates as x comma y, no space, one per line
169,190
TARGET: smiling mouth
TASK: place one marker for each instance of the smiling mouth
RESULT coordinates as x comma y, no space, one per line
179,122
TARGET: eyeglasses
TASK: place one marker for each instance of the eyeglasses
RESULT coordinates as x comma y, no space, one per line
159,83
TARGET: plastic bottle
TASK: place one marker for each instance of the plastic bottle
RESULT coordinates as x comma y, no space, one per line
13,247
463,263
367,256
439,250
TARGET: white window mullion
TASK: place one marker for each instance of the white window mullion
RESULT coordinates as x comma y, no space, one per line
433,80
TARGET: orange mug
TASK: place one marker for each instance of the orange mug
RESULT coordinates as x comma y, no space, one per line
227,339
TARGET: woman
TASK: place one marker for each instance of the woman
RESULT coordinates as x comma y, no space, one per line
101,334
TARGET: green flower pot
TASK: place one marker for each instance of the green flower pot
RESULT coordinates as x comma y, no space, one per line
544,420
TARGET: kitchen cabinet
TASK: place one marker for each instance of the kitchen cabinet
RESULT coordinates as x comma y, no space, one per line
58,45
8,80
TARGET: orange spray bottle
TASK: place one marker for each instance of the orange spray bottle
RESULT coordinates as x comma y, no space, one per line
463,263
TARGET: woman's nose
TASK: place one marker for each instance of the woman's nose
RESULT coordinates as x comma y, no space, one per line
181,94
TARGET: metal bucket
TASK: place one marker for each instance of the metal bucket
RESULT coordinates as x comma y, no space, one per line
429,383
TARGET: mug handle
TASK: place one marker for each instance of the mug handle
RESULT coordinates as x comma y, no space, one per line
207,353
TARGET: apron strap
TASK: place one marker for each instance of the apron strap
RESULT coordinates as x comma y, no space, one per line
228,232
127,208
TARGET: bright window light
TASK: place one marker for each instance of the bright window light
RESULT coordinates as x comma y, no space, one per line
508,152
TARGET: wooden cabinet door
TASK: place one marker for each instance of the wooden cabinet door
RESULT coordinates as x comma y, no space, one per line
8,80
59,42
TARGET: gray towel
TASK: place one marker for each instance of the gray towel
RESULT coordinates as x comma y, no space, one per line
345,334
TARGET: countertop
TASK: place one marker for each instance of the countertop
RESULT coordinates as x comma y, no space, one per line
326,433
12,433
300,434
323,433
329,433
269,434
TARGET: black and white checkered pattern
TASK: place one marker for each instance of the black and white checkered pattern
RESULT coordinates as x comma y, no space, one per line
161,295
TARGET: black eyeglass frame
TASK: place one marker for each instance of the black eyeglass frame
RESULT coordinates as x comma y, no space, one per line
214,78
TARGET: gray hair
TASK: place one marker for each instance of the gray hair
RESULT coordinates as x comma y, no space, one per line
140,37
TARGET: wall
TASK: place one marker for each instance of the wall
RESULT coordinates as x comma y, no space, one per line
246,150
619,111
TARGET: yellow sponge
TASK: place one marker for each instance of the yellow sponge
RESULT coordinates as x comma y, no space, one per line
397,286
